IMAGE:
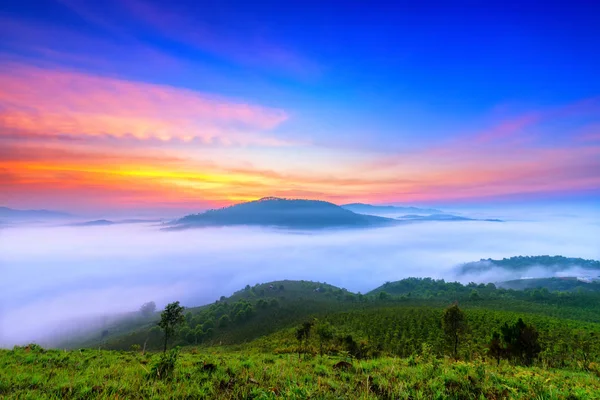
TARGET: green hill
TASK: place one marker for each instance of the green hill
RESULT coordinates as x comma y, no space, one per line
248,313
264,309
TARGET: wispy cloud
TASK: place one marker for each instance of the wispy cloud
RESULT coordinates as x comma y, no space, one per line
56,102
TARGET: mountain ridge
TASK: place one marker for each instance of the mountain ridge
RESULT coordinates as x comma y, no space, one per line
286,213
370,208
11,213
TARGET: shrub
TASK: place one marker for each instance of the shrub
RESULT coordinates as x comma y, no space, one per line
164,367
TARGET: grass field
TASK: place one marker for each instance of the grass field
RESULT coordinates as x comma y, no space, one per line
33,373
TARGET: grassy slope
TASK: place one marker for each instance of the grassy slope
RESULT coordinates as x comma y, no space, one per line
98,374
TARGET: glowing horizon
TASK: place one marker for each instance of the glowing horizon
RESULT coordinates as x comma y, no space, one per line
96,116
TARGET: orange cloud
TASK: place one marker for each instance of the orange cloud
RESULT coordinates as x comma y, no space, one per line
70,140
85,179
71,103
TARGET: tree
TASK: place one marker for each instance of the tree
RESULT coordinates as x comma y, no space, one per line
325,334
474,295
454,325
147,309
303,334
170,319
583,344
384,296
224,321
495,347
521,341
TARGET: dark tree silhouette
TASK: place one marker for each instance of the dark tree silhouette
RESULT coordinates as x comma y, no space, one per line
495,348
170,319
521,341
454,325
303,334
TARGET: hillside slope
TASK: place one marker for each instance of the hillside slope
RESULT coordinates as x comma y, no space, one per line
264,309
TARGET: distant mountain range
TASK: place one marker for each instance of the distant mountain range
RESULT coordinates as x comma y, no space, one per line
443,217
286,213
269,211
106,222
362,208
98,222
31,215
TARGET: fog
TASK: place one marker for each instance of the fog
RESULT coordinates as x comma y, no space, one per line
50,275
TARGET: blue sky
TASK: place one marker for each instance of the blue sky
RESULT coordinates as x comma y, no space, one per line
356,80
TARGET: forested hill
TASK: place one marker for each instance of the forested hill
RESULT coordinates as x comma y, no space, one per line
523,263
520,288
562,284
286,213
265,309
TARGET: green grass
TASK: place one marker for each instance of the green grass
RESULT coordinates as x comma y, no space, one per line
102,374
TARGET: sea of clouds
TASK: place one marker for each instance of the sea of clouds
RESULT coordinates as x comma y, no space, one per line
54,274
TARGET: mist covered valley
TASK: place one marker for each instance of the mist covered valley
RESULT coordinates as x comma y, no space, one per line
56,277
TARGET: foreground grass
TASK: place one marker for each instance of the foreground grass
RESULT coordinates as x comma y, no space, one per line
88,374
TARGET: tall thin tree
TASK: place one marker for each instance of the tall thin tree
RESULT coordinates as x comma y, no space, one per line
170,318
454,324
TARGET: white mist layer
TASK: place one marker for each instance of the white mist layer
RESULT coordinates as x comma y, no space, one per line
50,275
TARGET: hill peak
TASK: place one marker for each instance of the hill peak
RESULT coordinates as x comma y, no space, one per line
287,213
270,198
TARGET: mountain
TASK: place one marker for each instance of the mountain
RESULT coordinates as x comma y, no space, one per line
98,222
362,208
106,222
521,264
286,213
443,217
31,215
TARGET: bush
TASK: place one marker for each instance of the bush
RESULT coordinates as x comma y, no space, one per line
164,367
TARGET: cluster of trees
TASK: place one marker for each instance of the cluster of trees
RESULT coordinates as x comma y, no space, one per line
519,342
412,331
579,304
201,325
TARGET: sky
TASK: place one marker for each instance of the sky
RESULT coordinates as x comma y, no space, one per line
186,105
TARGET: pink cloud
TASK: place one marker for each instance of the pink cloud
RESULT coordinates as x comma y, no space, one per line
72,103
589,133
509,128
